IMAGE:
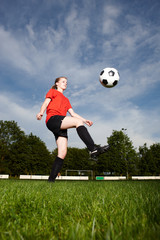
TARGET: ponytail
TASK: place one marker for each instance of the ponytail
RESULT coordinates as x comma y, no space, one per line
54,86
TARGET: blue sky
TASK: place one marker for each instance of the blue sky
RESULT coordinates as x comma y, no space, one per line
43,39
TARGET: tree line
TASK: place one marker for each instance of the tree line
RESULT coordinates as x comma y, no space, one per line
28,154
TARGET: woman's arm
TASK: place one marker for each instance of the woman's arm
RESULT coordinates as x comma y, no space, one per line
43,108
73,114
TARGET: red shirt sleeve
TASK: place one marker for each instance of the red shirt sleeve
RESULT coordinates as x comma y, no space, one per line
69,105
50,93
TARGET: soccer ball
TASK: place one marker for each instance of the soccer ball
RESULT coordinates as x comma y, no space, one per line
109,77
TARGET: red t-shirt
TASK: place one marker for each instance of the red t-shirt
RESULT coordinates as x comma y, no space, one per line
58,105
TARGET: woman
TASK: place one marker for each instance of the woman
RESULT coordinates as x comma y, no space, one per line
57,106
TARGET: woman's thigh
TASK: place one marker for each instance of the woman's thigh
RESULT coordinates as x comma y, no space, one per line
71,122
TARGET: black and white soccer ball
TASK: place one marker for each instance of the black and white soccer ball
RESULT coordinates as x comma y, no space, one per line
109,77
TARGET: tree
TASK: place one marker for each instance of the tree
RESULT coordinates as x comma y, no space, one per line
10,133
40,159
22,154
4,154
155,153
122,156
143,167
149,159
30,156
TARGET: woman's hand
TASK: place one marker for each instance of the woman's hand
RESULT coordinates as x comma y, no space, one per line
39,116
73,114
89,123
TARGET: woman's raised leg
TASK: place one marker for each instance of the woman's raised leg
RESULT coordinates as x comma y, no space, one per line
73,122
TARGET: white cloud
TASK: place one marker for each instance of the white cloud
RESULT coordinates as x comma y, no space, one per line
12,51
110,23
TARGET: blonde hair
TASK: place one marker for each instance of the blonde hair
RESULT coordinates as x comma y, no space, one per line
57,80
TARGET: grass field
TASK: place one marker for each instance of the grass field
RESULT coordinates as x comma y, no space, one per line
79,210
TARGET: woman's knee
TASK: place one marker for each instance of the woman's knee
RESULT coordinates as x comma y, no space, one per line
79,122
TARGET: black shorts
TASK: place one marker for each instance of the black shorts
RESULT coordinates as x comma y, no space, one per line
54,125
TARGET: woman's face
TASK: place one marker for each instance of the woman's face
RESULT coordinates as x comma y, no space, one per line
62,83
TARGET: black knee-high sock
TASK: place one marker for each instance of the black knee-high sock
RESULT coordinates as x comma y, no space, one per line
57,165
86,138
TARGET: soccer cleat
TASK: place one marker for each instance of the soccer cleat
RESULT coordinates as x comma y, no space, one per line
97,151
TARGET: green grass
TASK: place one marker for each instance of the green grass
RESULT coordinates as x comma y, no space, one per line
79,210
